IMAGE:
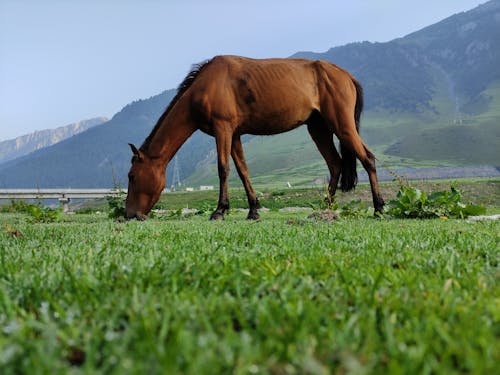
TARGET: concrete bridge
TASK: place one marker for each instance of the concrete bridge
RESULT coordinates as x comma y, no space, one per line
62,195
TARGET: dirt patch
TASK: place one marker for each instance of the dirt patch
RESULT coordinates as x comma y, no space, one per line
325,215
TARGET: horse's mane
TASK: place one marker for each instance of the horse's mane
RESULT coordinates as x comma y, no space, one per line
196,69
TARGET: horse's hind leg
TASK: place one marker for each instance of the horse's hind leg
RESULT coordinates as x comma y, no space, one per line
368,163
323,138
350,138
344,126
241,167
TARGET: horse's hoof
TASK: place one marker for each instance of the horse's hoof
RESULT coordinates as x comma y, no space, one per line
141,217
217,216
253,216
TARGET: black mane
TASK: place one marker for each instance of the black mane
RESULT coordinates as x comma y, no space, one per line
186,83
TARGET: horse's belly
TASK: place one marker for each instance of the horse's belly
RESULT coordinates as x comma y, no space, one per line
266,130
265,119
271,125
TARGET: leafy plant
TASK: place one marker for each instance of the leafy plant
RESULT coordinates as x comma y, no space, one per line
205,207
116,202
116,205
414,203
355,208
39,214
326,200
16,207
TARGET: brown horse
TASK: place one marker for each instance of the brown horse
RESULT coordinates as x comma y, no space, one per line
229,96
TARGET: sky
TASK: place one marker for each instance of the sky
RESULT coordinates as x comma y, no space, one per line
65,61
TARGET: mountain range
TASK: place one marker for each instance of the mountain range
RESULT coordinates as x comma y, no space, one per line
432,99
14,148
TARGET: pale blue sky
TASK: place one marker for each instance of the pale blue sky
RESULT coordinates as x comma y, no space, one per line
65,61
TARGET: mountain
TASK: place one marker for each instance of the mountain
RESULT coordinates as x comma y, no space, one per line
460,52
100,156
23,145
432,99
444,76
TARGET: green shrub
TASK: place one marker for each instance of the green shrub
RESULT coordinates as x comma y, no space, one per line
414,203
116,205
16,207
39,214
355,209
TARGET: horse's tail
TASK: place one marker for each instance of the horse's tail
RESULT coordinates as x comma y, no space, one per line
349,175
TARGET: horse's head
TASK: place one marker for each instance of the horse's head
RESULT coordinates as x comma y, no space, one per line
146,180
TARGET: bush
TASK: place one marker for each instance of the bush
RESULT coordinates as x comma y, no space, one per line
16,207
116,205
355,209
414,203
37,213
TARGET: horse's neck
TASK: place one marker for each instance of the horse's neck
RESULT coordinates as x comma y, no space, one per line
175,129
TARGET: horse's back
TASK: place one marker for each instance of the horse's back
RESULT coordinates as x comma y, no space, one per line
262,76
262,96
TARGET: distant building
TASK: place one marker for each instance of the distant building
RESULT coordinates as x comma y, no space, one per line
206,187
189,189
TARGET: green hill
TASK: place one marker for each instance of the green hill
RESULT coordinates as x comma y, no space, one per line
444,76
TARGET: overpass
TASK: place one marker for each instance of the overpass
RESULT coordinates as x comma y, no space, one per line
63,195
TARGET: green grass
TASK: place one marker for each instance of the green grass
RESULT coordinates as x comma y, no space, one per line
281,296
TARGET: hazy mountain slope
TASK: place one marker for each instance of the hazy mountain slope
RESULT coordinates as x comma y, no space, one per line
23,145
445,75
99,157
462,51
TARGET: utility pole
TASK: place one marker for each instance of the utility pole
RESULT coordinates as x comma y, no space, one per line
176,179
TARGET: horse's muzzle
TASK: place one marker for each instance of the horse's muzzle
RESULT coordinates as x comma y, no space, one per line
135,215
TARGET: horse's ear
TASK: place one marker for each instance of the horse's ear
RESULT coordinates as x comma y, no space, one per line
135,151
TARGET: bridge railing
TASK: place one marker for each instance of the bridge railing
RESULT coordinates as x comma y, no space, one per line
63,195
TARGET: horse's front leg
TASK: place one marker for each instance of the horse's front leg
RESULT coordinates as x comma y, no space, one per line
223,141
241,167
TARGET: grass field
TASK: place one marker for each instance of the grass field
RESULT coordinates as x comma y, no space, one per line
285,295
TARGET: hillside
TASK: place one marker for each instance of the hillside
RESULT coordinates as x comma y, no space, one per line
460,53
432,99
23,145
445,77
99,157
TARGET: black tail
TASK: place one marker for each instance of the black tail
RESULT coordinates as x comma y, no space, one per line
349,176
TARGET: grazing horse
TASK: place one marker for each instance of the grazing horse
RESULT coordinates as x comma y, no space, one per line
228,96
